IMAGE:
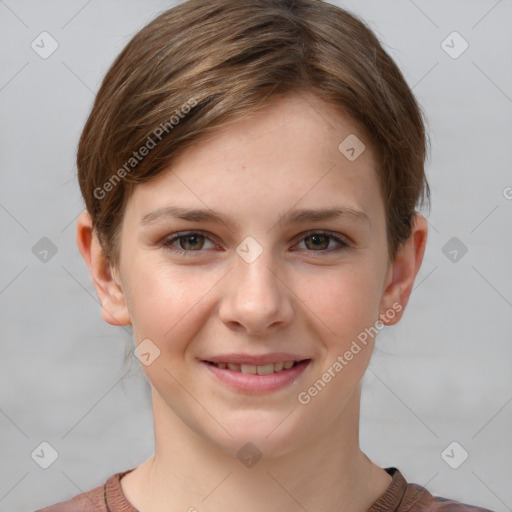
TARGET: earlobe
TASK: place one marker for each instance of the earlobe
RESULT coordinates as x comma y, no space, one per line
110,293
402,273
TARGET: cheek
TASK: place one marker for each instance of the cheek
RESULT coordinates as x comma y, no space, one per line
164,301
346,307
345,301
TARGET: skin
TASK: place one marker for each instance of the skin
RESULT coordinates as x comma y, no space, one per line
295,297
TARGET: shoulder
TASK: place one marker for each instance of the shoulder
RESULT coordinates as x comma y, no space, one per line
94,500
402,496
90,501
418,498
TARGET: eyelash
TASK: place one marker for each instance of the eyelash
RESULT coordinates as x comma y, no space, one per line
167,243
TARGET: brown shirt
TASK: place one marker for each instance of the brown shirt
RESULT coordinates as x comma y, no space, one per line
398,497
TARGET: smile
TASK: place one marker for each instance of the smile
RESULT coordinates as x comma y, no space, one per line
256,378
252,369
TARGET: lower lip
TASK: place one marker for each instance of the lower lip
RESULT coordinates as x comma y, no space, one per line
249,383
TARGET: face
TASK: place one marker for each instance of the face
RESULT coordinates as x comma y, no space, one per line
286,264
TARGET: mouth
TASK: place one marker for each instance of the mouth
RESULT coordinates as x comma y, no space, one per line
253,369
255,375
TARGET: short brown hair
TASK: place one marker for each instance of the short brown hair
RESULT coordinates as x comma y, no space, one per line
204,63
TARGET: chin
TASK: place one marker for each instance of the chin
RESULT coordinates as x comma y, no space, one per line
258,435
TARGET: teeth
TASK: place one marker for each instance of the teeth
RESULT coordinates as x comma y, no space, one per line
252,369
248,368
265,369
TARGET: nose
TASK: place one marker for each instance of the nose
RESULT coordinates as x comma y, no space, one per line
256,300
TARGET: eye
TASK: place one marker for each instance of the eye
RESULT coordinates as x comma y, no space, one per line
189,242
319,241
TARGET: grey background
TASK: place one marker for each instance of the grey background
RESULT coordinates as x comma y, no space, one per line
443,374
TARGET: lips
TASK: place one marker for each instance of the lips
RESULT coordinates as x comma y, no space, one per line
264,371
263,364
253,369
257,374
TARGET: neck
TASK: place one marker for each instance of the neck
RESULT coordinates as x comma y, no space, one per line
189,473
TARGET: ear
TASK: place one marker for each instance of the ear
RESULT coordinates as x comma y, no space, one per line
108,289
402,273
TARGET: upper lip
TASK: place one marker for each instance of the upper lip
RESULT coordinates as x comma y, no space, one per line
259,360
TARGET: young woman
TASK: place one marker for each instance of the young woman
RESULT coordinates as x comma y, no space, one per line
251,172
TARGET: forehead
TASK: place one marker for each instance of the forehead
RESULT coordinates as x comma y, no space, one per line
296,149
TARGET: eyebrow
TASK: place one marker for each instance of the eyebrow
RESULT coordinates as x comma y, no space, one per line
292,217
